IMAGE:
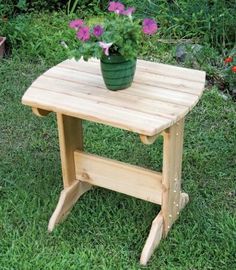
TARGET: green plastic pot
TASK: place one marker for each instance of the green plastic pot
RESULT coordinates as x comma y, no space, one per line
117,72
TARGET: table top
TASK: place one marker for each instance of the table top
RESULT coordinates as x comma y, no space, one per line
159,96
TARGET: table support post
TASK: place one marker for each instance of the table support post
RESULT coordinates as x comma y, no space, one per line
172,200
70,139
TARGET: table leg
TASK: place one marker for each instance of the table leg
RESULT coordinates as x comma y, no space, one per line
172,199
70,139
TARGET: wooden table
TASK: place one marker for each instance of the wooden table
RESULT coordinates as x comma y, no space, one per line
156,104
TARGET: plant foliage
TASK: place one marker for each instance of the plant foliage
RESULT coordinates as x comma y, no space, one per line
119,33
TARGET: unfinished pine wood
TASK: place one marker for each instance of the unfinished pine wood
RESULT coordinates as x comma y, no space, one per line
70,105
70,138
68,198
172,164
184,199
148,139
166,82
40,112
146,105
118,176
164,69
173,71
153,239
160,96
163,91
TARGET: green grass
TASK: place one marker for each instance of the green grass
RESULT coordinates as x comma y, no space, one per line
107,230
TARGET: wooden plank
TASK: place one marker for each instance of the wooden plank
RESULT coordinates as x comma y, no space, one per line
153,239
121,99
70,138
167,82
148,91
165,95
173,71
172,162
144,77
153,67
118,176
157,68
135,121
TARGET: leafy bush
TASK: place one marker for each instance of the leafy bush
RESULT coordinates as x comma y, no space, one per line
203,21
230,71
212,22
38,36
209,23
9,8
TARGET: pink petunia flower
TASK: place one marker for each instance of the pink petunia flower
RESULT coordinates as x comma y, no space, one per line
83,33
76,24
149,26
129,11
105,46
98,31
116,7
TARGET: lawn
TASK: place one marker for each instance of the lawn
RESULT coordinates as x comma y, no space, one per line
107,230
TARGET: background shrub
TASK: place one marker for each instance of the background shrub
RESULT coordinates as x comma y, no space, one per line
38,37
203,21
10,8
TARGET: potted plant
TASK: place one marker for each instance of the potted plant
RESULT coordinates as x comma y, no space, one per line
115,40
2,46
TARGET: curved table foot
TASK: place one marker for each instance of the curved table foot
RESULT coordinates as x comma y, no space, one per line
67,199
156,233
153,239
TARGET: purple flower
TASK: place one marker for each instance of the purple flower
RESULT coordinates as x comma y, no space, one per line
129,11
149,26
76,24
116,7
105,46
83,33
98,31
